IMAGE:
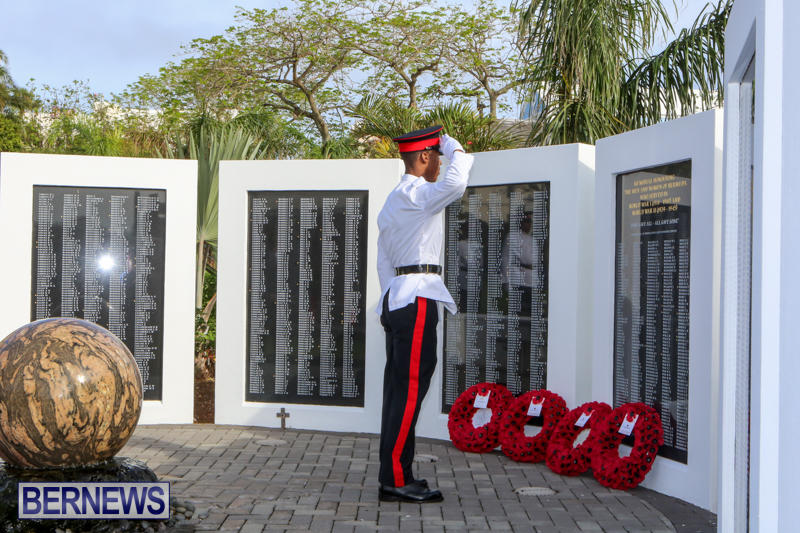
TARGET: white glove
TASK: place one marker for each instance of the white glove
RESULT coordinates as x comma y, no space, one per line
449,146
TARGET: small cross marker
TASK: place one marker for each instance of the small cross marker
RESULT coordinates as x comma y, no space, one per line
283,415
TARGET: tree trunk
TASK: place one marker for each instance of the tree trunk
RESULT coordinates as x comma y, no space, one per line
200,274
493,105
412,94
319,122
324,132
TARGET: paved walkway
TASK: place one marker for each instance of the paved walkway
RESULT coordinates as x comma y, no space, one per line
250,480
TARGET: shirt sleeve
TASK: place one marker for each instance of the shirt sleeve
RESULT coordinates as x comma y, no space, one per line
433,197
385,269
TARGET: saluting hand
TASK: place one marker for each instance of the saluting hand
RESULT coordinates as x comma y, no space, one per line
450,146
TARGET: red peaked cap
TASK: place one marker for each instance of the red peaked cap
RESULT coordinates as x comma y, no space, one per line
419,140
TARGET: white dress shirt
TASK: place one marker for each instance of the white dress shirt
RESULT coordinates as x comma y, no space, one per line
411,233
520,260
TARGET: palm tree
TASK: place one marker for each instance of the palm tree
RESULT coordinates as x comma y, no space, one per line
210,143
5,77
595,76
15,131
13,100
685,76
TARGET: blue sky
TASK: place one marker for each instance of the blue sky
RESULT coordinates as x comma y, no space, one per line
111,43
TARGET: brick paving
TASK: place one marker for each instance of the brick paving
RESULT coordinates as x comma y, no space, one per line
252,480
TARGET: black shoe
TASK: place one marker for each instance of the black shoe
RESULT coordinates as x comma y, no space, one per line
421,482
413,492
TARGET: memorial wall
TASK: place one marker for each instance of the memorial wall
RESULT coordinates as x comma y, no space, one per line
656,291
298,339
95,238
306,308
496,269
98,254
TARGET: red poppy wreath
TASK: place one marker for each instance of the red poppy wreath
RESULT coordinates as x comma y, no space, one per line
518,446
644,424
564,455
482,437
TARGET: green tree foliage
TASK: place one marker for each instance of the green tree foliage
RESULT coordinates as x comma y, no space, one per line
403,41
14,102
380,120
279,139
589,73
5,77
74,120
180,93
290,61
288,76
11,135
309,62
684,77
205,331
486,56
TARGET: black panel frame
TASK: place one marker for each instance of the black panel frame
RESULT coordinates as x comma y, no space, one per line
262,360
532,289
129,203
653,213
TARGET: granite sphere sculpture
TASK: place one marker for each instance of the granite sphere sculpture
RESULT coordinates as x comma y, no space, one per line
70,394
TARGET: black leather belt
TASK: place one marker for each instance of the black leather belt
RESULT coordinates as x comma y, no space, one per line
418,269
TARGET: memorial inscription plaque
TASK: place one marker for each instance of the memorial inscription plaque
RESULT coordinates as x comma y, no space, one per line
651,297
496,268
306,288
98,254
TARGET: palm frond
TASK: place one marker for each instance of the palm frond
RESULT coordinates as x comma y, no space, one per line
5,76
477,133
209,147
686,77
574,120
380,120
581,49
384,117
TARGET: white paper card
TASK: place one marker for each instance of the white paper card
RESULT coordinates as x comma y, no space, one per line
482,401
583,419
627,425
482,417
535,409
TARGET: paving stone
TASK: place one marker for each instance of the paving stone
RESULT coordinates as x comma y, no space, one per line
232,524
280,517
300,521
251,527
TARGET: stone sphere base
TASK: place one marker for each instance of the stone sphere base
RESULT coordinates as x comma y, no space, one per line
116,469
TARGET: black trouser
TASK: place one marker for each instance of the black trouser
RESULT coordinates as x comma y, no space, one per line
410,362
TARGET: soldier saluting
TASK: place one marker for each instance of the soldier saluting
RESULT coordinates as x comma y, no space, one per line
409,247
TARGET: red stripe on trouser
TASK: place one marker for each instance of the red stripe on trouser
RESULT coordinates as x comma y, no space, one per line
413,391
